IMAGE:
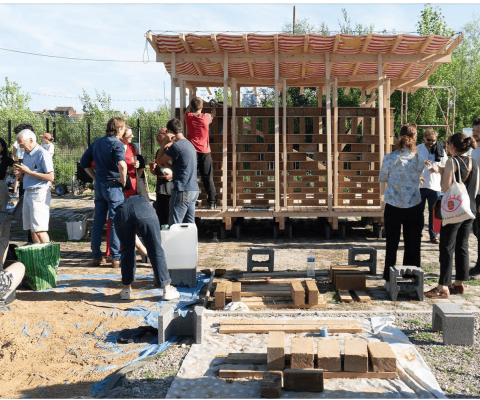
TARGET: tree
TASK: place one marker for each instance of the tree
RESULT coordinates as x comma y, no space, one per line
303,26
432,22
359,29
11,97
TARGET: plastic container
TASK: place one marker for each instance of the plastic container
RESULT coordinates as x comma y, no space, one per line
180,243
310,265
323,332
77,227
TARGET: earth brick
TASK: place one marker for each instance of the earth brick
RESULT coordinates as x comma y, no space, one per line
382,357
271,385
356,356
350,282
311,291
298,293
329,358
302,353
303,380
276,351
236,291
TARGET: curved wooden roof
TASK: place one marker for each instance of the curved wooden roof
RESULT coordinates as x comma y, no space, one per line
406,60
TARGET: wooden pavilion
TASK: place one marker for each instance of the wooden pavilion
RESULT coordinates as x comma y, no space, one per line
285,162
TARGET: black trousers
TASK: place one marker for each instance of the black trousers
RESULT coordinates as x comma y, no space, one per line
162,208
454,241
476,230
411,219
204,165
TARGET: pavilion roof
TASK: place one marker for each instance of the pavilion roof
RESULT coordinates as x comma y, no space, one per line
406,60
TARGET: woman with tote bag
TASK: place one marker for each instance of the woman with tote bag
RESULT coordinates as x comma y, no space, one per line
456,227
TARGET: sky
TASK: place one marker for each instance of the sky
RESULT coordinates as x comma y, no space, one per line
117,32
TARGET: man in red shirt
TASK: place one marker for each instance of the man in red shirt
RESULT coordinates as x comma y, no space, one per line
198,125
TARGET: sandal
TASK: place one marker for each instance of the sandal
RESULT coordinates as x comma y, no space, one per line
460,289
437,294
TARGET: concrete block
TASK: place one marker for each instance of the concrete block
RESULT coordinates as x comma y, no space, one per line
329,358
351,282
401,281
236,291
312,294
302,353
371,263
303,380
184,277
276,351
356,356
173,323
457,324
298,293
269,263
382,357
271,385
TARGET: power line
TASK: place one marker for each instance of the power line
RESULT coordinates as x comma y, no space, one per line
70,97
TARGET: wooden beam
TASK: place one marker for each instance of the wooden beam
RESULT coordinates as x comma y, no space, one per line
407,70
276,327
275,41
305,51
381,122
329,134
152,42
397,42
182,104
335,143
347,89
289,322
367,41
284,137
388,133
173,89
247,51
215,43
277,132
426,43
454,45
234,142
225,133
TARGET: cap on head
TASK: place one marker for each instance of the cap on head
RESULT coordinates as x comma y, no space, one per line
47,136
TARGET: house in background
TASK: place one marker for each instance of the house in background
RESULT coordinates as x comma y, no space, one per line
68,112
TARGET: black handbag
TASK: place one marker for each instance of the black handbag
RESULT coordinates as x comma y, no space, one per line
437,208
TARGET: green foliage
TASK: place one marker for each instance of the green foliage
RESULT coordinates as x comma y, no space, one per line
303,26
218,94
432,22
359,29
11,98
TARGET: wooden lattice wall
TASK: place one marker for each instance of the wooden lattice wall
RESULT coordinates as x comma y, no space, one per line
307,179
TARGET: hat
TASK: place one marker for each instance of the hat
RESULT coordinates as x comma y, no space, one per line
47,136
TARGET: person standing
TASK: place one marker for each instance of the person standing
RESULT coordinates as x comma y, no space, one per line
475,271
198,126
454,237
431,150
110,179
401,171
37,173
47,143
177,148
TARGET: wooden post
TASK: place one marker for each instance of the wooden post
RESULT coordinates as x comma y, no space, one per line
277,138
234,141
182,104
388,132
335,142
173,87
284,136
401,108
329,132
381,122
225,129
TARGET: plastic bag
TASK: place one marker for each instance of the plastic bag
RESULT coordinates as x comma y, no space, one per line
236,306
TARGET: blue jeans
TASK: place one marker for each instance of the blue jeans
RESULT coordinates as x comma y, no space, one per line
431,196
182,207
137,217
106,199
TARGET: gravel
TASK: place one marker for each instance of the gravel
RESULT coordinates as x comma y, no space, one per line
454,367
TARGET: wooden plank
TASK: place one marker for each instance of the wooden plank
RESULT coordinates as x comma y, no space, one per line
277,131
225,129
274,304
247,374
297,293
237,374
314,328
247,358
363,297
329,131
236,291
345,296
266,293
220,294
283,321
284,274
335,142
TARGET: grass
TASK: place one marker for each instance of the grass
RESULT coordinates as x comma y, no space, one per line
471,388
57,235
468,353
430,280
425,336
148,375
450,390
476,282
414,321
468,295
429,268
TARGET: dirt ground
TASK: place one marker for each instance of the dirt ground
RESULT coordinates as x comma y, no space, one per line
67,335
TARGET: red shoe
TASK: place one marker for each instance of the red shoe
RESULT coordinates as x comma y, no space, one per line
435,293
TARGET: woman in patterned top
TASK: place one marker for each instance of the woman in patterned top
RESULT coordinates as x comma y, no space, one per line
401,170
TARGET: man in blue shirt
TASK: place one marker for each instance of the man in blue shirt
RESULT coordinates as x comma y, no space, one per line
110,177
177,148
37,173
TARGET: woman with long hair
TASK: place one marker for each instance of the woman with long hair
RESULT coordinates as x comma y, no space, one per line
454,237
5,160
401,170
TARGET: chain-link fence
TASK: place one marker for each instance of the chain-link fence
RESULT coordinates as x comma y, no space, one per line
72,138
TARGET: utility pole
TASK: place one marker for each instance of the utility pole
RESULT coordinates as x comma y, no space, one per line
294,19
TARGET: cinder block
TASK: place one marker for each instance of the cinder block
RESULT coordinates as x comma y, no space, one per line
303,380
184,277
165,318
236,291
220,294
371,263
350,282
276,351
199,317
382,357
457,324
311,291
172,322
271,385
397,277
269,263
356,356
302,353
297,293
329,358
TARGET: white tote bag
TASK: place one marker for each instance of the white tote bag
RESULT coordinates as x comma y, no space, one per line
456,202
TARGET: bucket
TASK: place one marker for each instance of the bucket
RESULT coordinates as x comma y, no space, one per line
437,223
76,227
180,243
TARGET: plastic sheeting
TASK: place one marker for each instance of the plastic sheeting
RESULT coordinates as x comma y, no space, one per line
197,378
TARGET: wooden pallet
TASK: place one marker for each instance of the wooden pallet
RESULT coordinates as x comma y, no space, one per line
346,297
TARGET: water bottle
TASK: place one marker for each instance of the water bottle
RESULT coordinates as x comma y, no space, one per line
310,265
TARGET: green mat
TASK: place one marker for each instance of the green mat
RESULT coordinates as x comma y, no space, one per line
41,263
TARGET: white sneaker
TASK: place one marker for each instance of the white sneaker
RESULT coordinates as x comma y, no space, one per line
125,294
170,293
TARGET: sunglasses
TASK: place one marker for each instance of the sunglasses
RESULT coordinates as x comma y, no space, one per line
430,140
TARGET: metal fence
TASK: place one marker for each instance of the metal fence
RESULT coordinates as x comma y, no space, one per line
72,138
